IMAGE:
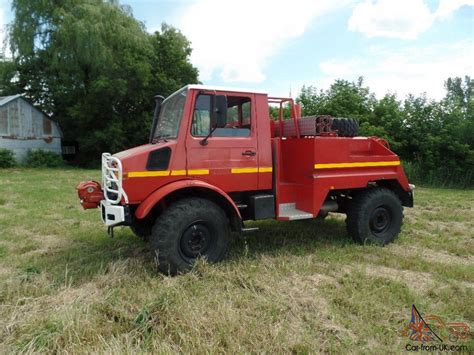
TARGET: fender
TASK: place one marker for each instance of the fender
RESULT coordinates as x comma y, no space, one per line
146,206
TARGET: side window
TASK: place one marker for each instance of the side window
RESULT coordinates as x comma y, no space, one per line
202,116
246,114
238,123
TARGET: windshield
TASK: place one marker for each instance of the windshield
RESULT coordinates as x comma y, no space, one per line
170,115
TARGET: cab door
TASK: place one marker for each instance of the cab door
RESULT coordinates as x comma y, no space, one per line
229,157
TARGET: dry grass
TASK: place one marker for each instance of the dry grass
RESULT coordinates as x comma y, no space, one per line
291,287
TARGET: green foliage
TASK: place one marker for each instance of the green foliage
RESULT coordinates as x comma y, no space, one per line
7,159
274,111
94,68
435,138
43,159
343,99
440,177
7,73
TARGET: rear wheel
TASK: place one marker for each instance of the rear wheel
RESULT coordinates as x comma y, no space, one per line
188,229
375,216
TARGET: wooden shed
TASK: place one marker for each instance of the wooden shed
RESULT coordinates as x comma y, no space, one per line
23,127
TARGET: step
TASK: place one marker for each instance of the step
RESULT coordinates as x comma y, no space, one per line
290,212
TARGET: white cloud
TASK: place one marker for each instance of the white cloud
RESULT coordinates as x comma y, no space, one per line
388,18
2,29
406,70
235,39
404,19
4,48
447,7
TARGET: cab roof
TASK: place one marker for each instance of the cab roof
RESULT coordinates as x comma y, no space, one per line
223,88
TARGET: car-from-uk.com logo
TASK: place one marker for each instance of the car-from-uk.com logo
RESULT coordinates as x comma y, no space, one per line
435,334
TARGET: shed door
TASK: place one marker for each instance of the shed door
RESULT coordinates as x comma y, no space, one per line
14,119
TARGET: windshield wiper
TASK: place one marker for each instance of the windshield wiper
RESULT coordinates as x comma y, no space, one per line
160,137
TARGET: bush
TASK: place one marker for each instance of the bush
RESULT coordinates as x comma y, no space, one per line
439,177
43,159
7,159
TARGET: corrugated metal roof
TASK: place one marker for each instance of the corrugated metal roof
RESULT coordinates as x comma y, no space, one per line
6,99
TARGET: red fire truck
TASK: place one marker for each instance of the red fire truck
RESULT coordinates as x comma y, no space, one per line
216,159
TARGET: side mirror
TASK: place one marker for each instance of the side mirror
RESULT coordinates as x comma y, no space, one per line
220,110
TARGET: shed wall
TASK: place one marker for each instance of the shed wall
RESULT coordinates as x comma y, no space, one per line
23,128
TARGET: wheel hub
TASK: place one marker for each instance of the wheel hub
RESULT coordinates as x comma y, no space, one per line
195,240
380,220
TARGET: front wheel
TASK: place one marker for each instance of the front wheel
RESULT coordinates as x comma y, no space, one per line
188,229
375,216
142,229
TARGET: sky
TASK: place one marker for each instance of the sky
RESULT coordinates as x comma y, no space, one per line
398,46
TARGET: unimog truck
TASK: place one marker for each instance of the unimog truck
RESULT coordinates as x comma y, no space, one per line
216,159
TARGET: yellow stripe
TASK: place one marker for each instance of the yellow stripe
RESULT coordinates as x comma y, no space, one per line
243,170
198,172
356,165
133,174
178,172
251,170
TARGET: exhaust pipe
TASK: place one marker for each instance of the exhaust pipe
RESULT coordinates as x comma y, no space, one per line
329,206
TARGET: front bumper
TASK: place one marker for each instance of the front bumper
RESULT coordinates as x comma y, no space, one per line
114,215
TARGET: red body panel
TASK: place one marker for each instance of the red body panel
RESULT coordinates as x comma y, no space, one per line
299,170
222,155
309,168
146,206
135,160
264,141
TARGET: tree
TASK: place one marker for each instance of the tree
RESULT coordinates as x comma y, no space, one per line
95,69
343,98
171,51
7,77
458,105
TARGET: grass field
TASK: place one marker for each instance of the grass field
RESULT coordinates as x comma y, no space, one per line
291,287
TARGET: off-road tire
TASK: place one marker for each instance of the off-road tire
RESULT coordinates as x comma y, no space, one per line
345,127
188,229
375,216
142,228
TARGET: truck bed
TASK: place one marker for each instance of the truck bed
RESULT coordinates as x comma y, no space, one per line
309,168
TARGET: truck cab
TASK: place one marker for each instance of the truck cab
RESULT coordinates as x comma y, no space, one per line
215,159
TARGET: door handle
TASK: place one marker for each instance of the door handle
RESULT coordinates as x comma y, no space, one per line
249,153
